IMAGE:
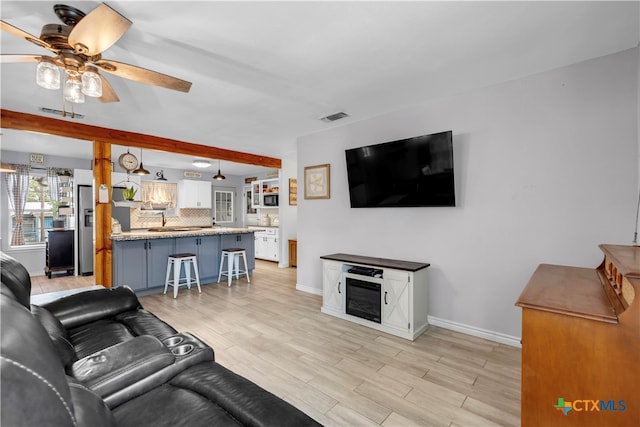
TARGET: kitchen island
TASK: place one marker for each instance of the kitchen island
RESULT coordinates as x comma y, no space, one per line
140,256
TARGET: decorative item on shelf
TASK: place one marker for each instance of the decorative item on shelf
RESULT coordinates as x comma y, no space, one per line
141,170
317,183
219,176
64,175
129,193
58,221
160,176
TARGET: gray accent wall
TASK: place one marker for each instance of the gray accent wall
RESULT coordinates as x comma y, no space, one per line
546,167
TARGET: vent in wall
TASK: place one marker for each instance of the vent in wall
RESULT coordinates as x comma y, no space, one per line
335,116
61,113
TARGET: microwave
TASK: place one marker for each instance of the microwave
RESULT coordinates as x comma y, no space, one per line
270,200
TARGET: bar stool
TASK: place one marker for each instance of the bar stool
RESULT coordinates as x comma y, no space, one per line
232,256
176,261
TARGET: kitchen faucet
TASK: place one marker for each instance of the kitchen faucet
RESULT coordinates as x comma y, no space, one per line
164,220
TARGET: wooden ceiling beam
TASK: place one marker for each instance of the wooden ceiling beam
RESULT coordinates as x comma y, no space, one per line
31,122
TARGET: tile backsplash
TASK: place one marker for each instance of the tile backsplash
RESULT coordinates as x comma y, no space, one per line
185,217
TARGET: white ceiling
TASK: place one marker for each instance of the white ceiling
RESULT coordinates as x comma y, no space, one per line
264,72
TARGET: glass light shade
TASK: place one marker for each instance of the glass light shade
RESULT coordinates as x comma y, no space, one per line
73,90
201,163
91,83
48,75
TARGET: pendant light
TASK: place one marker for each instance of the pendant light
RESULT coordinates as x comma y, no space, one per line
219,176
141,170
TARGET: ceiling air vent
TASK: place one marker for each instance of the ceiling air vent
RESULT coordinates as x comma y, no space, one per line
61,113
335,116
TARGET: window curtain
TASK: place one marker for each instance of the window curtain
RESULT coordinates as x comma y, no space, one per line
17,188
159,194
54,183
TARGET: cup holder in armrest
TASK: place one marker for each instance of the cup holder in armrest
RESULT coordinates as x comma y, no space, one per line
173,341
182,350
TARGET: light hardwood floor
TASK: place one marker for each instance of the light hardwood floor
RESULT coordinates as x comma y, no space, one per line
340,373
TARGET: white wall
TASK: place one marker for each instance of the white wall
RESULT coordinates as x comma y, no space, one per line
288,213
546,169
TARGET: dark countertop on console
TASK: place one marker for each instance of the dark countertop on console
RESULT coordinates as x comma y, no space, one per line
378,262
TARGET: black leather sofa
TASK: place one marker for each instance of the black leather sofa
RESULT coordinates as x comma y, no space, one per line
97,358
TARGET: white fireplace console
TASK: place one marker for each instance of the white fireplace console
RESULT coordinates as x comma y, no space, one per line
402,287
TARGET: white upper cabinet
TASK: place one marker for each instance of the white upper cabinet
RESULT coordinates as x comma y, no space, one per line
194,194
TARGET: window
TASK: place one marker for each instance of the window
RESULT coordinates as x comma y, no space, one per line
223,203
38,212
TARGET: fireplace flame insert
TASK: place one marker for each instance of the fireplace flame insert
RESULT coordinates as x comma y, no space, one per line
363,298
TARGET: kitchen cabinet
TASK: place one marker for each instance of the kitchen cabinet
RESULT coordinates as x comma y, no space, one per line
244,241
401,292
261,188
207,249
194,194
267,245
141,264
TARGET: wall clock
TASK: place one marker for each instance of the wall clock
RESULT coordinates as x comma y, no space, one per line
128,161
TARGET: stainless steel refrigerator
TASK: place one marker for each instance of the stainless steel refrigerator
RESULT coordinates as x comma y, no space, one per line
86,250
85,230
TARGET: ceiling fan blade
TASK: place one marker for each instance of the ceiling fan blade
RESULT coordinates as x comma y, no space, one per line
5,26
108,94
10,58
98,30
143,75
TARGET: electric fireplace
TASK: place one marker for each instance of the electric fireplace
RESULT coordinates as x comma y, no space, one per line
363,298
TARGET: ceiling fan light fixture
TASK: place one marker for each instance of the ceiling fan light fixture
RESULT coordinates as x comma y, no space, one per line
48,74
201,163
91,82
219,176
73,90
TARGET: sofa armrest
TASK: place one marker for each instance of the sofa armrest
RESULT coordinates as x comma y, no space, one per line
121,365
85,307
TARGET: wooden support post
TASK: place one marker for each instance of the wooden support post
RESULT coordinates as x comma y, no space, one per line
102,176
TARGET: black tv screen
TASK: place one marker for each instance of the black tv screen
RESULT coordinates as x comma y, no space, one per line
410,172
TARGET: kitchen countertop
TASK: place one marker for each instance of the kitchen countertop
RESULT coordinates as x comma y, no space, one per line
171,232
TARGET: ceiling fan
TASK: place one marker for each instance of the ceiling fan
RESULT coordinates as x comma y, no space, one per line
78,44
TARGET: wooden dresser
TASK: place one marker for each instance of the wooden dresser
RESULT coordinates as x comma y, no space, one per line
581,343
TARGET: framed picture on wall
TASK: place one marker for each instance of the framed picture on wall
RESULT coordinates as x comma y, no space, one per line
317,182
293,191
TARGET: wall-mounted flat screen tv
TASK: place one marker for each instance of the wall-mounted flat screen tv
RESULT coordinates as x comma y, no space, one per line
410,172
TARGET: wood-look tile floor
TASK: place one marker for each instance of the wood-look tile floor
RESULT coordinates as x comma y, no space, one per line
341,374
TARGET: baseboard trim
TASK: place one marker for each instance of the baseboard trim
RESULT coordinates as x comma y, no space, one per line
476,332
308,289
